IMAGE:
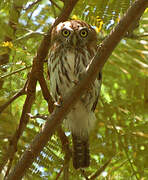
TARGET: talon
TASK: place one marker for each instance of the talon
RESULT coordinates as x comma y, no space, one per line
59,102
75,82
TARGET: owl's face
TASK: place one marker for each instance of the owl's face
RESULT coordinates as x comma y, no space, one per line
74,34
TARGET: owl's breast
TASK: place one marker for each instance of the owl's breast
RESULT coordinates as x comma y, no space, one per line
62,73
65,68
69,61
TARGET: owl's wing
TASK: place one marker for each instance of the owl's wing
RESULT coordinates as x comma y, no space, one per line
99,78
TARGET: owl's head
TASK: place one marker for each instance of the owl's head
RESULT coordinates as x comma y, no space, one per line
74,34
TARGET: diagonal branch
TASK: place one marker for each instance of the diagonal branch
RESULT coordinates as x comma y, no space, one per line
125,151
31,5
58,175
46,93
97,64
100,170
14,72
55,4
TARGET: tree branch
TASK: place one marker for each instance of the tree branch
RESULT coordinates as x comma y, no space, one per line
14,72
100,170
97,173
115,168
28,35
31,5
104,51
46,93
123,147
18,94
58,175
55,4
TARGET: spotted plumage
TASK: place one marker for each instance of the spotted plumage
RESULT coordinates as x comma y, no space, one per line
74,43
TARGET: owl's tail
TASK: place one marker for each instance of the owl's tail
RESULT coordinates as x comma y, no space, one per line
81,157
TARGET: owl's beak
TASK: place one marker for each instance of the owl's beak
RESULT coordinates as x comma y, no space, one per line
74,40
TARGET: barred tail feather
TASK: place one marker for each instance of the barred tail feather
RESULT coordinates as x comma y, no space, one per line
81,157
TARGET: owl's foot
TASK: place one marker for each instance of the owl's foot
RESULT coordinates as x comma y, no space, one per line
75,82
81,75
59,102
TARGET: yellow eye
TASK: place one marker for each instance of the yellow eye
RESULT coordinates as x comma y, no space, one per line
65,32
83,33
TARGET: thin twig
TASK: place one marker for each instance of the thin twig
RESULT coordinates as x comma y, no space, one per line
18,94
46,93
14,72
30,16
55,5
135,36
143,35
31,5
117,167
58,175
100,170
29,34
123,147
44,117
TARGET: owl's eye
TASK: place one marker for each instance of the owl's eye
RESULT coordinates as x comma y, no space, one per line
65,32
83,33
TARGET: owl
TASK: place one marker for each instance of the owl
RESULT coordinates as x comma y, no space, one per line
73,45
